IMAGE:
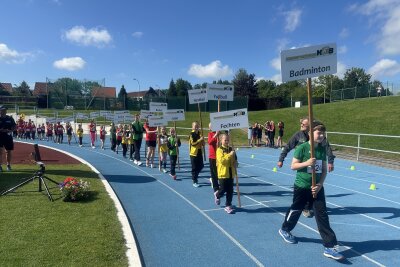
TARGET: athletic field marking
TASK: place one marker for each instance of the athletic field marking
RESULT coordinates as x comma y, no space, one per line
240,246
375,173
361,214
355,224
316,231
243,206
369,181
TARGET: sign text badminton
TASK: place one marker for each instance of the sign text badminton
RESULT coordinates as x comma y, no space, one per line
158,106
307,62
232,119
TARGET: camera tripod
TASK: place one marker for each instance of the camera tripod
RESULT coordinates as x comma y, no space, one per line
39,174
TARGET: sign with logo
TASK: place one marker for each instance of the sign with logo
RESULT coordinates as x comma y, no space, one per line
145,114
94,114
307,62
174,114
156,121
220,92
232,119
157,106
197,96
117,112
104,113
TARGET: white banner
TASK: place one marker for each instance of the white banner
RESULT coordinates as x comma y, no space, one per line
145,114
155,121
94,114
81,116
197,96
174,114
109,117
220,92
232,119
307,62
66,119
158,106
104,113
117,112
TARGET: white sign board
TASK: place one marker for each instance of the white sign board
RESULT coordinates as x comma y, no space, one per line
220,92
174,114
104,113
157,106
81,116
155,121
94,114
145,114
307,62
297,104
118,112
197,96
232,119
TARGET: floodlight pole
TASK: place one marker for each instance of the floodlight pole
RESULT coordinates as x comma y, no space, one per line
137,82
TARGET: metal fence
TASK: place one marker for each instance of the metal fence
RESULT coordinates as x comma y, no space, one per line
386,144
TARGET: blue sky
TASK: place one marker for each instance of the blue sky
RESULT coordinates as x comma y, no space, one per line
154,41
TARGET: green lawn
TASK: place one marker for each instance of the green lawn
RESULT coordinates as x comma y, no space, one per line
37,232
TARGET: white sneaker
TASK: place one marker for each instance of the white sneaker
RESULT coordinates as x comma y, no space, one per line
164,170
151,166
135,162
93,147
139,163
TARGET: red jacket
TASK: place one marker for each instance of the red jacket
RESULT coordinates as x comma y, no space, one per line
212,145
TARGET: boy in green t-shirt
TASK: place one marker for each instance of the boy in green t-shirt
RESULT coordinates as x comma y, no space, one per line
303,192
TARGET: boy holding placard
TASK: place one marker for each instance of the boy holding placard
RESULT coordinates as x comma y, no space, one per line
304,192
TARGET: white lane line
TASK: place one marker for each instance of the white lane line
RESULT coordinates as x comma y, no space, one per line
375,173
364,180
317,232
237,243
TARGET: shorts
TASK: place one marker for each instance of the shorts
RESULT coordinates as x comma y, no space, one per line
7,142
151,143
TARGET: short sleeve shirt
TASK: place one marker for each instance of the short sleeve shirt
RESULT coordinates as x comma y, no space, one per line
302,153
7,122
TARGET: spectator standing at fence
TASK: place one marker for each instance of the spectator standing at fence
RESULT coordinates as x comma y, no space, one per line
196,141
254,133
304,192
79,133
7,126
272,134
259,134
281,127
266,133
379,91
138,130
212,149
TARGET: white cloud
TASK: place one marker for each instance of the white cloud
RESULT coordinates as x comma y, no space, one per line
292,19
342,49
383,68
344,33
385,14
276,78
137,35
70,63
212,70
276,63
11,56
87,37
341,69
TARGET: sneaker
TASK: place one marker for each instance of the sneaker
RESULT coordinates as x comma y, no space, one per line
80,145
139,163
307,213
130,159
164,171
216,199
8,167
135,162
174,177
93,147
333,253
229,209
287,236
196,185
151,166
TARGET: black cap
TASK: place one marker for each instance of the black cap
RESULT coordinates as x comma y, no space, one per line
2,107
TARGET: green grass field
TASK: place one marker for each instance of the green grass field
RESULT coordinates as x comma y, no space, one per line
37,232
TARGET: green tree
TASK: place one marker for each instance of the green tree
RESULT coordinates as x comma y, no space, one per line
245,84
3,91
123,97
182,86
22,90
172,89
266,88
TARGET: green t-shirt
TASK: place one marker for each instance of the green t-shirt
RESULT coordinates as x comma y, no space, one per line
302,153
138,129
